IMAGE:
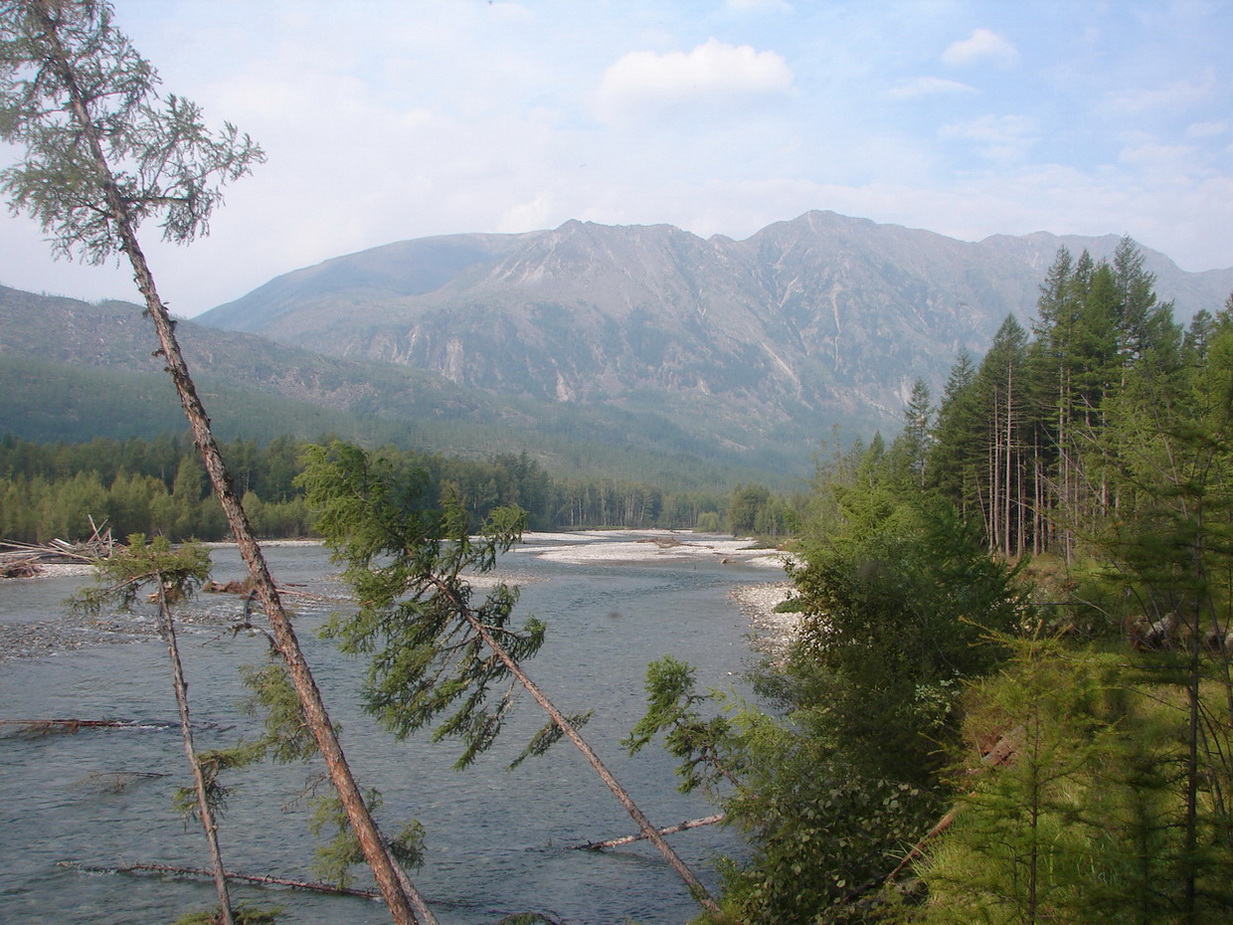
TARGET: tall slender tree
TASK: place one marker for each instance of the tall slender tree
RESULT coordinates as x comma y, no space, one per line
433,649
958,438
1001,387
174,574
104,152
910,451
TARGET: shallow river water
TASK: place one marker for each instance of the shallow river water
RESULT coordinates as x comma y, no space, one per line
75,804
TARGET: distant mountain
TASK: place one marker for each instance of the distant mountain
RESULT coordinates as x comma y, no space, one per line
73,371
402,269
627,352
806,323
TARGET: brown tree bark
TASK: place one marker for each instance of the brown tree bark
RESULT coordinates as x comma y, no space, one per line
167,630
649,831
404,903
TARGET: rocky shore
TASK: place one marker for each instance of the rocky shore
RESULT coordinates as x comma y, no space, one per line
772,633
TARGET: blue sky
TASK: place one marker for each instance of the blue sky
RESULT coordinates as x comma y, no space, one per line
392,119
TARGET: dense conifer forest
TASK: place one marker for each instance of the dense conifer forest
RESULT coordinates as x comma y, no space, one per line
158,488
1010,698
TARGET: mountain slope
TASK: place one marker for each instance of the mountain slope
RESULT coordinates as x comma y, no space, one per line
74,371
820,319
393,270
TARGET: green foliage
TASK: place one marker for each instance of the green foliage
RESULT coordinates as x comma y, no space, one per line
288,736
50,491
823,836
596,453
1085,821
342,851
896,595
1104,446
672,712
163,154
821,832
418,620
1024,446
754,511
243,914
174,573
1022,822
910,451
212,764
549,735
893,624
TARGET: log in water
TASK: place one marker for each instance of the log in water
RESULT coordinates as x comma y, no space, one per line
497,841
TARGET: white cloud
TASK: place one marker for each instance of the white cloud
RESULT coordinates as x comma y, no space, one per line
1207,129
538,212
510,10
1159,160
713,73
981,45
999,138
1178,94
927,86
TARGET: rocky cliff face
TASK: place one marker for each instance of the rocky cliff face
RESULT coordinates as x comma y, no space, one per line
820,318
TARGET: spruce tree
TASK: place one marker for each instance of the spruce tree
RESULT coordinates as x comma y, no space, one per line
103,153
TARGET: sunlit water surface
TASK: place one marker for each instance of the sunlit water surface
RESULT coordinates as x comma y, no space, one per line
497,841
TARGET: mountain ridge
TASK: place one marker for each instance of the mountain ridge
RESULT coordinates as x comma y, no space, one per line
822,315
631,339
74,371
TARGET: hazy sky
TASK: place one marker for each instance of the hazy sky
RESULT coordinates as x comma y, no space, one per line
392,119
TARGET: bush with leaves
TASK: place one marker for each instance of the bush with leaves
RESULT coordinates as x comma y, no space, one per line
892,624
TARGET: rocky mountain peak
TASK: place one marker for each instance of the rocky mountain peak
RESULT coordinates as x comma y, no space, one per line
811,318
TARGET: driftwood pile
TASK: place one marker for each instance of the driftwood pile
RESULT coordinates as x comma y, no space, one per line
26,560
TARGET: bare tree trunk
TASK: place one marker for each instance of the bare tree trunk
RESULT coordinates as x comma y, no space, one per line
387,873
667,830
403,903
264,879
167,629
696,888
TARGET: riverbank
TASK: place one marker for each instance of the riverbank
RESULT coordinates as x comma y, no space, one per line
772,633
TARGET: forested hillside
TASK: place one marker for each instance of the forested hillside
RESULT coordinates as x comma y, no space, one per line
71,371
158,488
1009,698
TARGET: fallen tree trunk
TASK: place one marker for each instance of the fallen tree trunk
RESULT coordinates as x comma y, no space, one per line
72,725
20,568
313,885
629,839
1002,753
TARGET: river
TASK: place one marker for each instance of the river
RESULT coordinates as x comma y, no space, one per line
74,805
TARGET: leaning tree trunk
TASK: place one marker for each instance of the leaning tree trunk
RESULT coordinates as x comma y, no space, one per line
401,897
392,883
167,629
649,831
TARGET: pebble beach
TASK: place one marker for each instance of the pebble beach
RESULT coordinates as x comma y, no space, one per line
771,632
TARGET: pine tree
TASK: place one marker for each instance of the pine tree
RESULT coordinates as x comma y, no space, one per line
437,655
174,575
103,152
957,453
910,451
